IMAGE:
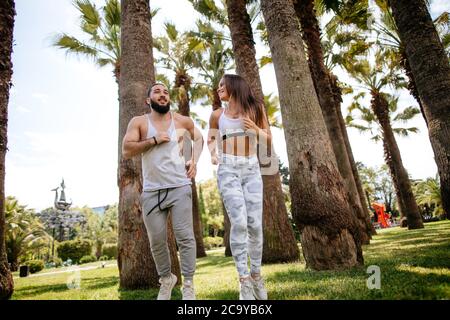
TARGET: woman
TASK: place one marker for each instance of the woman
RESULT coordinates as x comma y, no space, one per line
236,131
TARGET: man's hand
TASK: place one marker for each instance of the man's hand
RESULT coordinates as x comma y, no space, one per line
162,137
191,168
214,160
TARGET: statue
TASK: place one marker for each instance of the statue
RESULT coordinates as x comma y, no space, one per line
61,204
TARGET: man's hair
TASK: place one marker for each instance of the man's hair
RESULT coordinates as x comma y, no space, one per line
151,87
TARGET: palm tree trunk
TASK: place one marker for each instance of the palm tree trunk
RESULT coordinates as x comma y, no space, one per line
279,239
7,13
329,234
182,82
311,36
136,265
431,70
394,161
365,203
411,82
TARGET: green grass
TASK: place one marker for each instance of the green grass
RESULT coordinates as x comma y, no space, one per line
414,264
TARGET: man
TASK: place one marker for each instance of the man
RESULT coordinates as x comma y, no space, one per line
166,183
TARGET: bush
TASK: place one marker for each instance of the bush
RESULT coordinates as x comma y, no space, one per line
54,263
110,250
88,259
212,242
74,250
35,265
103,258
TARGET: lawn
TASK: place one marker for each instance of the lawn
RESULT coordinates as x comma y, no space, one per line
414,264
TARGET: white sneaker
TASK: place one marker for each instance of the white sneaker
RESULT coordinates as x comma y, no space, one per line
259,289
246,290
167,284
188,290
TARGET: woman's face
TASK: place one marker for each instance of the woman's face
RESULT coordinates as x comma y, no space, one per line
222,91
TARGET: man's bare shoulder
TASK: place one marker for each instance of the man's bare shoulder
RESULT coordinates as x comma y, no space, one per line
186,122
138,120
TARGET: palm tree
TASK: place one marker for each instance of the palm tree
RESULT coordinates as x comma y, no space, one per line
23,230
136,265
428,194
430,68
103,29
321,78
7,13
330,236
178,54
373,81
279,239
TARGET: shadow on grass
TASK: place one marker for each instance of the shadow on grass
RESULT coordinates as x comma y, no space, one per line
99,283
33,291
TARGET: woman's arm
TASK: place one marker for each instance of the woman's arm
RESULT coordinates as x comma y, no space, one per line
213,136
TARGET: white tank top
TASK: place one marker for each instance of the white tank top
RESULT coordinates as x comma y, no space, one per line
230,126
162,165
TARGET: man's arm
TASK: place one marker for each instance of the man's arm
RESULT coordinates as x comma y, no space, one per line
197,138
132,144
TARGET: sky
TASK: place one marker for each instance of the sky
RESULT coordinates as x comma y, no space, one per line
63,112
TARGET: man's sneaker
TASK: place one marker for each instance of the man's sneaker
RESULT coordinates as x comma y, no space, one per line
246,289
188,290
167,284
259,289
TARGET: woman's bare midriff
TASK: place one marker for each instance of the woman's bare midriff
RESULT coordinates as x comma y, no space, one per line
239,146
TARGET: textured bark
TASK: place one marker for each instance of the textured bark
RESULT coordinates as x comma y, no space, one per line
136,265
329,235
279,239
183,83
394,161
7,13
364,200
431,70
311,36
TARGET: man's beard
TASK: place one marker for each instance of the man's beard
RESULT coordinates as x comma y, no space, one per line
162,109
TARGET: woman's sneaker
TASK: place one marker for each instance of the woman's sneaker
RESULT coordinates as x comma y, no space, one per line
259,289
246,289
167,284
188,290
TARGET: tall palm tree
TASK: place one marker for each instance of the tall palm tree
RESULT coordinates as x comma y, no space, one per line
373,80
321,78
136,265
102,27
23,230
279,239
178,54
330,236
7,13
430,68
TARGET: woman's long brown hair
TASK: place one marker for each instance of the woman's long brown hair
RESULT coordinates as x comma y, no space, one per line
241,92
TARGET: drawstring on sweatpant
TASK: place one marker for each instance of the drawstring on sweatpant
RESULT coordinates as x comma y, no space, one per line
159,201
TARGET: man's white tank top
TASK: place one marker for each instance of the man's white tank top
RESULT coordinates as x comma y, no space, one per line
162,165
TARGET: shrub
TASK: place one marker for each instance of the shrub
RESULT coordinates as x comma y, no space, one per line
103,258
212,242
88,259
54,263
74,250
110,250
35,265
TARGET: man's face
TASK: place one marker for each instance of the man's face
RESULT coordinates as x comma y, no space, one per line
160,95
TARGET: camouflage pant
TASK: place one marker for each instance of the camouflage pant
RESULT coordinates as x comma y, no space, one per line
240,185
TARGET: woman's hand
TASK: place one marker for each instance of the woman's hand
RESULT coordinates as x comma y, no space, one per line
250,125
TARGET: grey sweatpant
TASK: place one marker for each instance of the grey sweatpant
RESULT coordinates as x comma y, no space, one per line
240,185
179,202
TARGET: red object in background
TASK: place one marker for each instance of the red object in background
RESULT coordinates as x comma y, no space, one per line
383,217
